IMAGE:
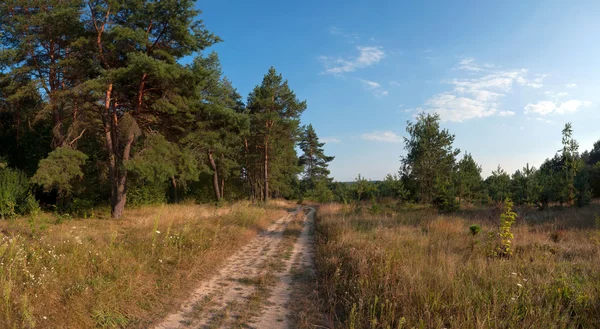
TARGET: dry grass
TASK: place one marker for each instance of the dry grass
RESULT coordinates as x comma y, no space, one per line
418,269
94,273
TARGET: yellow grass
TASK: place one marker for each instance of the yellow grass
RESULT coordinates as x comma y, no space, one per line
418,269
101,273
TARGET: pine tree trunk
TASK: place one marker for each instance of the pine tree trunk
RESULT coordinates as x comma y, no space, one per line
222,188
175,196
215,176
121,187
266,186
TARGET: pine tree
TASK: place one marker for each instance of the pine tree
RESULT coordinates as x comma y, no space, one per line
498,185
571,161
313,159
140,84
44,41
274,117
430,160
468,178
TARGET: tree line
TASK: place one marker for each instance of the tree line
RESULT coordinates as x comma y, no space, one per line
432,172
96,107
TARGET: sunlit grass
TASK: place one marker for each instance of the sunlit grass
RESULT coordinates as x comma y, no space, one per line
99,273
423,270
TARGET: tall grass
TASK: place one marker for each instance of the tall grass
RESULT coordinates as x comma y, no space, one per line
97,273
418,269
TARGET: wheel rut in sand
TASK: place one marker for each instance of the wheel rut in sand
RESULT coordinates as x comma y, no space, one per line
253,288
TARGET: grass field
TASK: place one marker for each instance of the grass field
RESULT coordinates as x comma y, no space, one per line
57,272
385,268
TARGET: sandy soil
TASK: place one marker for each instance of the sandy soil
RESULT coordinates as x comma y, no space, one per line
253,289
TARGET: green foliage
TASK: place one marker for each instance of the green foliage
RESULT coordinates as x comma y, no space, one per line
272,163
469,182
507,219
430,156
474,229
498,185
445,199
572,163
14,188
319,193
363,189
583,191
392,186
60,170
315,180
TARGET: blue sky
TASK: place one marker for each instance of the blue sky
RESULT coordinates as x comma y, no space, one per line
505,76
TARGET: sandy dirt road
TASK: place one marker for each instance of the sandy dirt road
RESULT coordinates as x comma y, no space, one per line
253,288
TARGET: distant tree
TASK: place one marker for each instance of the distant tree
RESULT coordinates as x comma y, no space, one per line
468,178
393,186
498,185
313,159
218,124
363,188
274,120
552,181
430,160
592,157
524,186
583,190
315,164
571,161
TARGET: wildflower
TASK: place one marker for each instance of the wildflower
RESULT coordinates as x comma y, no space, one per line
44,317
157,232
160,261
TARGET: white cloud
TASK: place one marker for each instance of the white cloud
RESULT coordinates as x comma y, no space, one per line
395,84
571,85
541,108
554,94
480,96
375,87
454,108
506,113
548,107
469,64
370,84
367,56
382,136
330,140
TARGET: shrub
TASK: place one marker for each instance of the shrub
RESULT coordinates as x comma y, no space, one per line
446,202
14,186
474,229
60,170
507,219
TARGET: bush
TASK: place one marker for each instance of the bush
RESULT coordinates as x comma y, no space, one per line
59,171
14,186
446,202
